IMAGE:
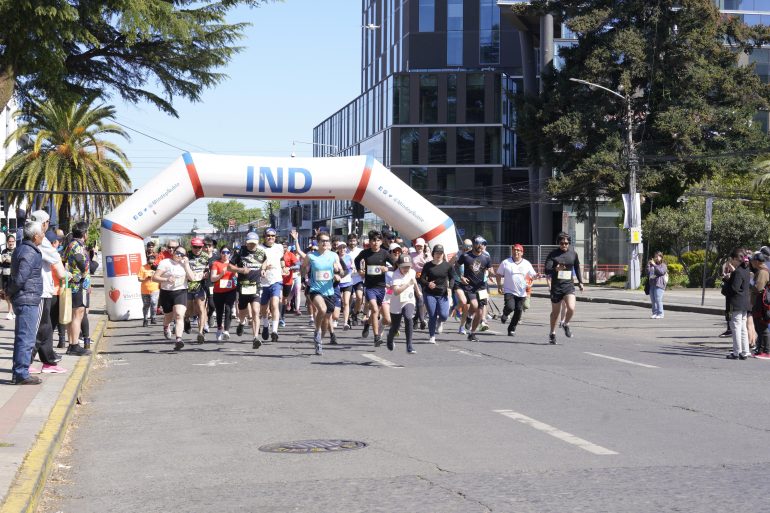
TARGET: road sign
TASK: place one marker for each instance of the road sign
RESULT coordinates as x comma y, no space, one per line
709,205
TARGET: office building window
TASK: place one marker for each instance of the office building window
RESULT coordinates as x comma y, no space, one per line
401,100
466,146
483,178
446,178
474,98
489,32
418,178
427,15
428,98
454,35
437,147
410,146
451,98
492,145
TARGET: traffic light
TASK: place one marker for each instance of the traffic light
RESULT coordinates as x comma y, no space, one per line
4,225
358,210
296,216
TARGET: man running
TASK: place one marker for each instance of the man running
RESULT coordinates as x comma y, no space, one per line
196,288
322,266
475,264
248,264
559,267
514,272
356,280
273,270
372,266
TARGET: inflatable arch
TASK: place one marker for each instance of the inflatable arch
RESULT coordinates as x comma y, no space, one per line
195,175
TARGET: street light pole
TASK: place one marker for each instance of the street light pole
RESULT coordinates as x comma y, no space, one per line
632,161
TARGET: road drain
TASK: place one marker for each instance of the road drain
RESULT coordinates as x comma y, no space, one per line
313,446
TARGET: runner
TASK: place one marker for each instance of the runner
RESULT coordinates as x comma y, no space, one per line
321,266
271,281
514,271
172,274
224,293
435,285
419,256
460,300
149,289
346,283
291,263
372,266
357,282
475,264
402,303
561,265
196,288
248,264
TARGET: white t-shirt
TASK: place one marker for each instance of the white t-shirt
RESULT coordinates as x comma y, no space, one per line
50,257
167,267
397,301
514,276
355,277
274,256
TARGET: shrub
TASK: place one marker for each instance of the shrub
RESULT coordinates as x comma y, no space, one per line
675,268
691,258
678,280
618,278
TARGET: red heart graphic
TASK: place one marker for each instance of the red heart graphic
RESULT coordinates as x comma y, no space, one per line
114,295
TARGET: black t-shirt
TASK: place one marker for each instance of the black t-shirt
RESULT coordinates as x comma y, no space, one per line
375,266
438,273
566,261
253,261
474,267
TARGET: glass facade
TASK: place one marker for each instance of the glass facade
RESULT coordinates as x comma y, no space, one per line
427,14
454,34
489,32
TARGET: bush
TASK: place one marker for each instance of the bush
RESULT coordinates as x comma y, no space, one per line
678,280
675,268
618,278
692,258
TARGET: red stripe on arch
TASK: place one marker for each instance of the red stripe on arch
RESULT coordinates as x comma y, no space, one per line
364,183
117,228
193,174
438,230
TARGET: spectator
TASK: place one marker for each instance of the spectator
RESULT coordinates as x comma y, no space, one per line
761,277
737,289
658,276
25,289
5,268
76,258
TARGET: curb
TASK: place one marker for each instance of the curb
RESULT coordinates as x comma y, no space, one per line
644,304
27,487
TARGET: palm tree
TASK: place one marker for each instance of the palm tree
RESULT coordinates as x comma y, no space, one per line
61,149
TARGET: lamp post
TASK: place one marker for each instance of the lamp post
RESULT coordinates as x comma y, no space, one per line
632,161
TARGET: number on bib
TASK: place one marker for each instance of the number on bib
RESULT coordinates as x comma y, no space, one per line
482,294
407,296
565,275
225,284
323,275
373,270
249,290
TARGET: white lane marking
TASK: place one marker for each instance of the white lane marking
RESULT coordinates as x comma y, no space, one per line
382,361
466,353
557,433
214,363
621,360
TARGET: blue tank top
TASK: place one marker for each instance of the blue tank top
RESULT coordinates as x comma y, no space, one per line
322,272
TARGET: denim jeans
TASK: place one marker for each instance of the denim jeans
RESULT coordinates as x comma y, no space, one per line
656,296
438,310
24,335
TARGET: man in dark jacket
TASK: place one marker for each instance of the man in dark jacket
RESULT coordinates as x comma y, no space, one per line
25,290
738,289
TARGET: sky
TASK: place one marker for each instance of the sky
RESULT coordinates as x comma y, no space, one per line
300,64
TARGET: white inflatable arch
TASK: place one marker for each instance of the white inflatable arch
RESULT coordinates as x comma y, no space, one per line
196,175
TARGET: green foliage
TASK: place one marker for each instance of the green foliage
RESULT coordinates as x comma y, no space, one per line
691,258
220,213
65,50
675,268
678,280
61,148
617,278
93,237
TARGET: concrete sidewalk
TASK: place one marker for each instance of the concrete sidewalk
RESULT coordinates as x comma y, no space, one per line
34,419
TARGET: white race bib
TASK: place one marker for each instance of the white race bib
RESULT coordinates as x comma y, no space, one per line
323,275
198,277
407,296
249,290
564,275
373,270
211,290
6,271
179,281
482,294
225,284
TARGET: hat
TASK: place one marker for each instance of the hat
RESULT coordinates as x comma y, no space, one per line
197,242
518,246
151,243
51,236
270,231
341,243
404,260
39,216
759,257
438,248
479,240
393,246
253,237
419,242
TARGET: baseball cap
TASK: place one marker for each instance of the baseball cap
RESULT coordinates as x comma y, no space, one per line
393,246
419,242
51,236
479,240
270,231
404,260
438,248
341,244
253,237
196,241
39,216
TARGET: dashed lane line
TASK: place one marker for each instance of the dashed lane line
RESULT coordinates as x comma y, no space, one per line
621,360
382,361
557,433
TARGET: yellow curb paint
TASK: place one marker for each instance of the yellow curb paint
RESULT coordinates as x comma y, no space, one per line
24,494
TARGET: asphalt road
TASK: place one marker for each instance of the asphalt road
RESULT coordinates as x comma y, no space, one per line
631,414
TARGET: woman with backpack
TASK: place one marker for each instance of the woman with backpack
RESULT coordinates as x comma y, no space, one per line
761,277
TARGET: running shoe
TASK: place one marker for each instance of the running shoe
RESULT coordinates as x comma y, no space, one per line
282,323
317,340
726,334
742,356
274,337
11,316
206,328
461,330
333,339
145,322
552,338
265,332
256,344
178,344
365,331
468,323
226,335
239,330
35,370
511,332
391,345
440,328
51,369
731,356
503,319
432,340
201,338
473,338
31,380
334,323
76,350
219,335
346,327
422,324
560,323
484,326
567,330
377,341
411,351
167,332
187,326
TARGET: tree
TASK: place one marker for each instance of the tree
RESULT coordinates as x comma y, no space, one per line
61,149
220,213
73,49
692,103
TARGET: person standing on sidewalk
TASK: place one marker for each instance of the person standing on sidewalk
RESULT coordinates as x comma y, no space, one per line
79,267
514,271
761,277
5,268
727,269
561,265
657,273
24,290
738,289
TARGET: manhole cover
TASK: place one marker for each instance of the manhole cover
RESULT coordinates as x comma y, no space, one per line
312,446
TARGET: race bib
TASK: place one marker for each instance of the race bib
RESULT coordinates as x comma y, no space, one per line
373,270
323,275
7,271
198,277
482,294
249,290
407,296
225,284
564,275
179,281
211,290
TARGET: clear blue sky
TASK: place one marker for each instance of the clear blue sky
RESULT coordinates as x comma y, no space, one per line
300,64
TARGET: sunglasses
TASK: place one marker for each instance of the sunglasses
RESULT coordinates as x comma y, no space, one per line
324,240
225,252
270,235
180,254
563,242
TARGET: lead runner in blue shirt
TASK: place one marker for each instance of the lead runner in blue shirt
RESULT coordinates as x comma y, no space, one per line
323,268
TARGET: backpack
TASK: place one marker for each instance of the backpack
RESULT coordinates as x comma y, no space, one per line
762,314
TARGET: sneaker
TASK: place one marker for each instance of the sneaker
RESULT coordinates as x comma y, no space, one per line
484,326
473,338
11,316
274,337
56,357
31,380
365,331
178,344
552,338
503,319
52,369
153,321
239,330
334,324
226,335
511,332
187,326
377,341
422,325
468,324
763,356
86,343
311,321
265,332
219,335
167,332
317,340
461,331
333,339
346,327
391,345
201,338
282,323
411,351
440,328
35,370
432,340
145,322
731,356
742,356
567,330
654,316
206,328
561,323
726,334
256,344
76,350
398,333
62,344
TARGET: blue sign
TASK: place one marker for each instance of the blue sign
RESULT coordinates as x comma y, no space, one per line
271,180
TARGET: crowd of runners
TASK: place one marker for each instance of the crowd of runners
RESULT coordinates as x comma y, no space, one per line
380,285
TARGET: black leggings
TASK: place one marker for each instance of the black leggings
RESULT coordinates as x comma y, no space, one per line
407,312
223,304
